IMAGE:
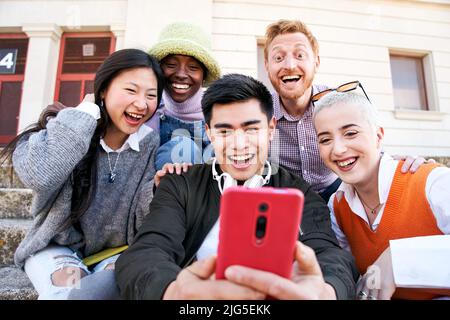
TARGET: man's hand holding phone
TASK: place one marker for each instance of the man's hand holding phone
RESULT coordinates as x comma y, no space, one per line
259,256
243,283
197,282
306,282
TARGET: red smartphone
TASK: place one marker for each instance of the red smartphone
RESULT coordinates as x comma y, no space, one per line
259,228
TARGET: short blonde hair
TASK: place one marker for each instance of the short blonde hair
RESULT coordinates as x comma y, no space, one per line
289,26
334,99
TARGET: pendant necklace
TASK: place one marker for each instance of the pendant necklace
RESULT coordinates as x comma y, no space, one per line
112,174
372,210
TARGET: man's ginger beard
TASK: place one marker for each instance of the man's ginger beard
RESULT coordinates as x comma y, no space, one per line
292,94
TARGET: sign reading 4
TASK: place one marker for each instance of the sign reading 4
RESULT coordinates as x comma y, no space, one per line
8,58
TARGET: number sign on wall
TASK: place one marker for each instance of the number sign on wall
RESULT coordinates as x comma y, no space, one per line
8,59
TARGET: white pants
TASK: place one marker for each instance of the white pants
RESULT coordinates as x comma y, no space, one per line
40,267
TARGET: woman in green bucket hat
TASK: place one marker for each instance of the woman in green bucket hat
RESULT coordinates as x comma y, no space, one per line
184,52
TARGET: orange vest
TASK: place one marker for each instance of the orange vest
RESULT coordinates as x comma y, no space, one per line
406,214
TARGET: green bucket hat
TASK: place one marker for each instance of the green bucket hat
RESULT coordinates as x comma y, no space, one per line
189,40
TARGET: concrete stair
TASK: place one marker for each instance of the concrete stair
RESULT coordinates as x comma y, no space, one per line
15,221
15,285
12,231
15,203
7,180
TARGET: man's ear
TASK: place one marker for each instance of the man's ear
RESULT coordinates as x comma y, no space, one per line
317,63
380,136
272,128
208,131
266,65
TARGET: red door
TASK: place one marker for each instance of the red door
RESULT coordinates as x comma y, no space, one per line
80,56
11,84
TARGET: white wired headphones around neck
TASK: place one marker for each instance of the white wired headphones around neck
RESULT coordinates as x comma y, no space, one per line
254,182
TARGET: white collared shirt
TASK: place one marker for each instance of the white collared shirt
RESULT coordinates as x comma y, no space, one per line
131,142
425,252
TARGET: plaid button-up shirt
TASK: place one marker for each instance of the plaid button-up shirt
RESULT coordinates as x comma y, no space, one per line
295,145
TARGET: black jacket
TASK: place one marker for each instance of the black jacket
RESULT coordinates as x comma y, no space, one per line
183,211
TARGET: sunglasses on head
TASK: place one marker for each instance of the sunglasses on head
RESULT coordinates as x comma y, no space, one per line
342,88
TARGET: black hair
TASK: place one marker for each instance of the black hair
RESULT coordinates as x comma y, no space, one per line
84,176
236,88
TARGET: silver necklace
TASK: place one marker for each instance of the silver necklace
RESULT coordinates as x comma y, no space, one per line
112,174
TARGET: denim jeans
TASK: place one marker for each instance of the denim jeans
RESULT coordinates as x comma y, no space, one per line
182,141
40,267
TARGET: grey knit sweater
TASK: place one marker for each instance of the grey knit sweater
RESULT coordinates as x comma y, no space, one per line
44,162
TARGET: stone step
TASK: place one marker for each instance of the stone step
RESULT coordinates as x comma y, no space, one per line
12,231
15,203
8,179
15,285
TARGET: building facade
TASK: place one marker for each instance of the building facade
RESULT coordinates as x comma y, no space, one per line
399,50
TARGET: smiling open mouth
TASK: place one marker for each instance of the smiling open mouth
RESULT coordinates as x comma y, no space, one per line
133,117
291,78
180,86
346,163
241,160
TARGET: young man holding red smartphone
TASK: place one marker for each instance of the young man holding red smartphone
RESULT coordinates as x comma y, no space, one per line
183,218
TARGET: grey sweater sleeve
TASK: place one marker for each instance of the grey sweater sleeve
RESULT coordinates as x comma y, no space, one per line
44,160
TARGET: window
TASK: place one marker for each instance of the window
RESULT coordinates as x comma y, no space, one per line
11,84
409,83
80,56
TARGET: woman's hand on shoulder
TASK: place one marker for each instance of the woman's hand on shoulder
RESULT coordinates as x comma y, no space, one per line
171,168
412,163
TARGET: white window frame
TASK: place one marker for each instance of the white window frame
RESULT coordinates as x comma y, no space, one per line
433,113
264,78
